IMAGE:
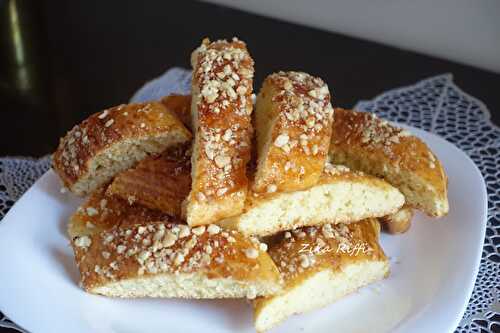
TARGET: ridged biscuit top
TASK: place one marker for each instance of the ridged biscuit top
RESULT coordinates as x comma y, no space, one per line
153,248
310,249
158,182
180,105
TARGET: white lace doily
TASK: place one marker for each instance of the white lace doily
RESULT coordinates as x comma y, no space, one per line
436,105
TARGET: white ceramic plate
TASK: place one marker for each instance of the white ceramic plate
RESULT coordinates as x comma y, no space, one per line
434,267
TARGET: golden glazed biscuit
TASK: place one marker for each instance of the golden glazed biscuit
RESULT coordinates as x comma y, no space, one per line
108,142
364,142
341,196
159,259
221,118
157,182
293,118
319,265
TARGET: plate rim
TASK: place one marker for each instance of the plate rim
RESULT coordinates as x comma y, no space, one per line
416,131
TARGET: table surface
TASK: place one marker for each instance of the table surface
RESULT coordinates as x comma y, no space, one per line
82,56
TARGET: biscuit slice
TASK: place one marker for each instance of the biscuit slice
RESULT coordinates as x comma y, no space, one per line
180,105
320,265
399,222
293,118
112,141
221,117
364,142
157,182
341,196
161,259
100,212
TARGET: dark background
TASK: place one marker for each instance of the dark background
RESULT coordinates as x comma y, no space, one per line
83,56
63,60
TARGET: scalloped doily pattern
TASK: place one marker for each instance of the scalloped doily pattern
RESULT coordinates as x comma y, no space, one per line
16,176
436,105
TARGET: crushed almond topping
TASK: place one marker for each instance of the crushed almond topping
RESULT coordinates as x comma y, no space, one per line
120,249
89,225
227,135
271,188
241,90
184,231
327,231
109,123
131,199
333,169
281,140
315,149
219,260
179,259
83,241
91,211
251,293
103,203
221,161
213,229
220,192
304,261
105,255
313,93
104,114
159,234
200,196
170,239
251,253
143,256
108,239
198,231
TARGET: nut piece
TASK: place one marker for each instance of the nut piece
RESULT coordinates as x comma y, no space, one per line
304,261
120,249
83,241
251,253
169,240
184,231
281,140
213,229
91,211
198,231
271,188
327,231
